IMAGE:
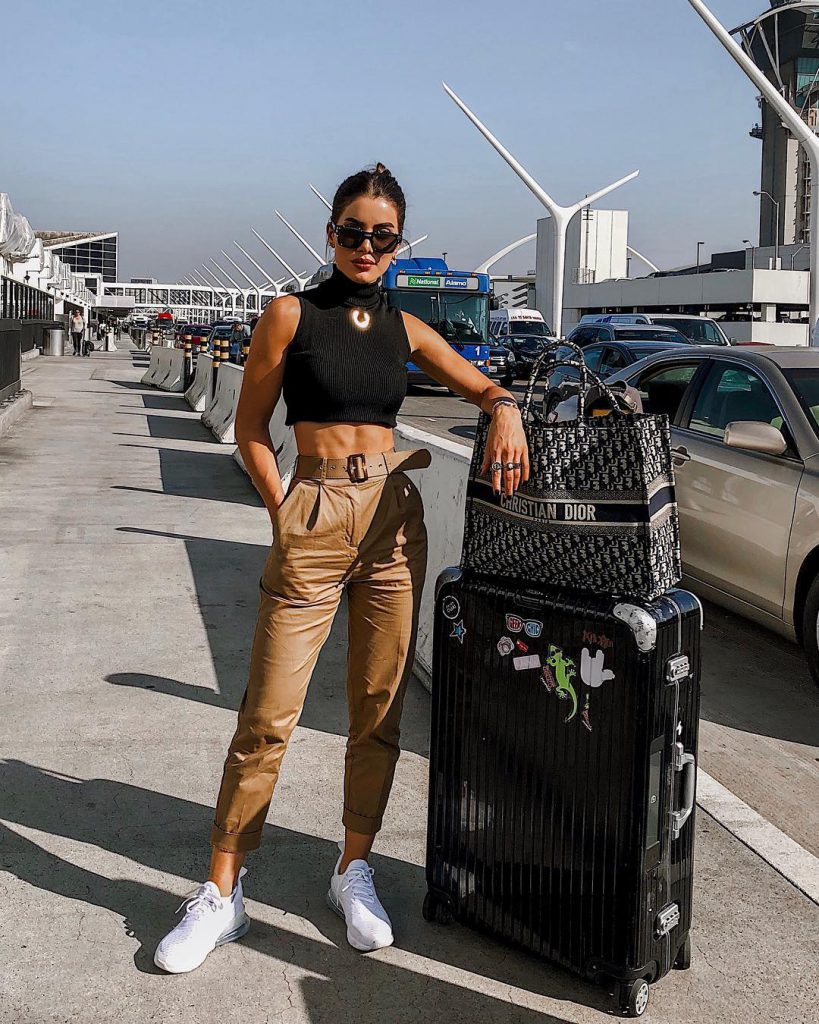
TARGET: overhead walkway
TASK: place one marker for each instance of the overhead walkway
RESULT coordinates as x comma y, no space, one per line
131,549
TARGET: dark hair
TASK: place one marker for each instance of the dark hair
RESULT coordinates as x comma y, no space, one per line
373,181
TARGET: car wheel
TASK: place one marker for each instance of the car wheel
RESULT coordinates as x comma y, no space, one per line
810,629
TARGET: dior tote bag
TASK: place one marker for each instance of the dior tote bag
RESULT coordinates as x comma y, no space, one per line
598,513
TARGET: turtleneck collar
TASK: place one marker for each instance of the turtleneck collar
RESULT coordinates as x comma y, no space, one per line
351,295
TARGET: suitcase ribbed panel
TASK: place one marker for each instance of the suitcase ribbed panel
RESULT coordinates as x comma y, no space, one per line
538,825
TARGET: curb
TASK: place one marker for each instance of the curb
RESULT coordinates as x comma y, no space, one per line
14,409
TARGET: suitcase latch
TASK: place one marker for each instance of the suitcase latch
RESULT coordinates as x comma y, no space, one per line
677,669
668,918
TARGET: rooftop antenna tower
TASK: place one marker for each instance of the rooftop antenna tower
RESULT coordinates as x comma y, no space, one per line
561,215
760,46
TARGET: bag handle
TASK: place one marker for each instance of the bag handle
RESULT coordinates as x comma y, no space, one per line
587,378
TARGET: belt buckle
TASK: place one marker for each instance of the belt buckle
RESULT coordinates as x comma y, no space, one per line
357,467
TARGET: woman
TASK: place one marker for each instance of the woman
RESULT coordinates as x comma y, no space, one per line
351,518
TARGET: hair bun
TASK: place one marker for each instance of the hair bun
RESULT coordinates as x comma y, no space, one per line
381,169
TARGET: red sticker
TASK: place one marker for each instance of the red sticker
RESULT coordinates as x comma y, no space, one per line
521,646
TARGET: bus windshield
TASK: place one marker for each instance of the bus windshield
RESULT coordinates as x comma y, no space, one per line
460,319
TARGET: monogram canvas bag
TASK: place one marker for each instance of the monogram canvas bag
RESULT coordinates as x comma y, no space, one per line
598,512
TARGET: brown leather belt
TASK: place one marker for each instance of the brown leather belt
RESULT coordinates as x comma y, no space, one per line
361,466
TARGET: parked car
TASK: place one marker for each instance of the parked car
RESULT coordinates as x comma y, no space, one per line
526,349
587,334
700,330
607,357
745,434
502,364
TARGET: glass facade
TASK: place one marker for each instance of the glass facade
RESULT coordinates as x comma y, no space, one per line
97,257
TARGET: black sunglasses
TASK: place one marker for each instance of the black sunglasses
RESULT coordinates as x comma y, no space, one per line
382,240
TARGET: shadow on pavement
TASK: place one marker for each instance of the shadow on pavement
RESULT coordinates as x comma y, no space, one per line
211,476
747,684
465,430
162,832
167,401
179,428
226,579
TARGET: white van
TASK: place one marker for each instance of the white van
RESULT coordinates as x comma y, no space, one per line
518,322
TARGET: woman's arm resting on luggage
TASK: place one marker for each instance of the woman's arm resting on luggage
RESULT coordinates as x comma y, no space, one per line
506,441
261,388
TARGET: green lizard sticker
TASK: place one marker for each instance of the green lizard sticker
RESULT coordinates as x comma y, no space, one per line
564,672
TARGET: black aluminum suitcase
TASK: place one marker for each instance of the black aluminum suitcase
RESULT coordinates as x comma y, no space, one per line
563,774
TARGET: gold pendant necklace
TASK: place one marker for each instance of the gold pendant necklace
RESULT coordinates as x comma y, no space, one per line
361,319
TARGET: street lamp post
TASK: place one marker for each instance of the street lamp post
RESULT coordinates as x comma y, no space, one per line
796,252
762,192
747,241
699,246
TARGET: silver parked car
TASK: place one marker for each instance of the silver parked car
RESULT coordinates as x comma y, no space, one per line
745,430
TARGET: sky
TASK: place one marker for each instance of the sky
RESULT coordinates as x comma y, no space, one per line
182,124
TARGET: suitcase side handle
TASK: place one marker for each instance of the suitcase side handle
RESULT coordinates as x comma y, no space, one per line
687,763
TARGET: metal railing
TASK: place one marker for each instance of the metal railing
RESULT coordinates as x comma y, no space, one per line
9,358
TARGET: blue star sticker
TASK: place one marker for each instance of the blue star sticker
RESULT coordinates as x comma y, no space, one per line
458,631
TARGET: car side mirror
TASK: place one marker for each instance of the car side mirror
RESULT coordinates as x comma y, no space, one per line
755,437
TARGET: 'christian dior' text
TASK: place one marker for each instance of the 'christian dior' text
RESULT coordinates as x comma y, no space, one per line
570,512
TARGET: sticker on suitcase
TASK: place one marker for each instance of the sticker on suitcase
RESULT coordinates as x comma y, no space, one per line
592,670
451,607
458,631
561,673
525,661
505,646
531,627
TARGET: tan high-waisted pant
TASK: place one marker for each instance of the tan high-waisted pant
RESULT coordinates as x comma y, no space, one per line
370,538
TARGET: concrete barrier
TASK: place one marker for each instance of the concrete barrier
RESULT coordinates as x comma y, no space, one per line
174,379
284,445
157,367
166,369
220,415
443,487
198,393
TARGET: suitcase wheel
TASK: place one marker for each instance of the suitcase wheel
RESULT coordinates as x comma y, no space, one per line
434,910
633,998
683,961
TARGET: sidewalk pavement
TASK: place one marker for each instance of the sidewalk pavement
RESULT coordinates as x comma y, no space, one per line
131,551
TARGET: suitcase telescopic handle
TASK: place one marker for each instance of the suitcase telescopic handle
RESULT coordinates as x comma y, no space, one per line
687,763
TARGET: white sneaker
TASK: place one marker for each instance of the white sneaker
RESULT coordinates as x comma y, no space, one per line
210,920
353,897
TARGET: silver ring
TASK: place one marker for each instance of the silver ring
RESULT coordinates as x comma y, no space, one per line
496,467
512,465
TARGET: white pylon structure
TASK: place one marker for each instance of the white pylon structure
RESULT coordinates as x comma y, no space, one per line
303,241
256,288
276,285
483,268
403,248
227,293
300,279
561,215
643,259
798,128
243,292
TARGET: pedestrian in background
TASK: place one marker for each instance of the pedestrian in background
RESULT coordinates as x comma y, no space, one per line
77,326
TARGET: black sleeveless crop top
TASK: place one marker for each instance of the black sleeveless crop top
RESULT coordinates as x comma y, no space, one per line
347,360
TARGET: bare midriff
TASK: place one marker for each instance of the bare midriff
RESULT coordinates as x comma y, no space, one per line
337,440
